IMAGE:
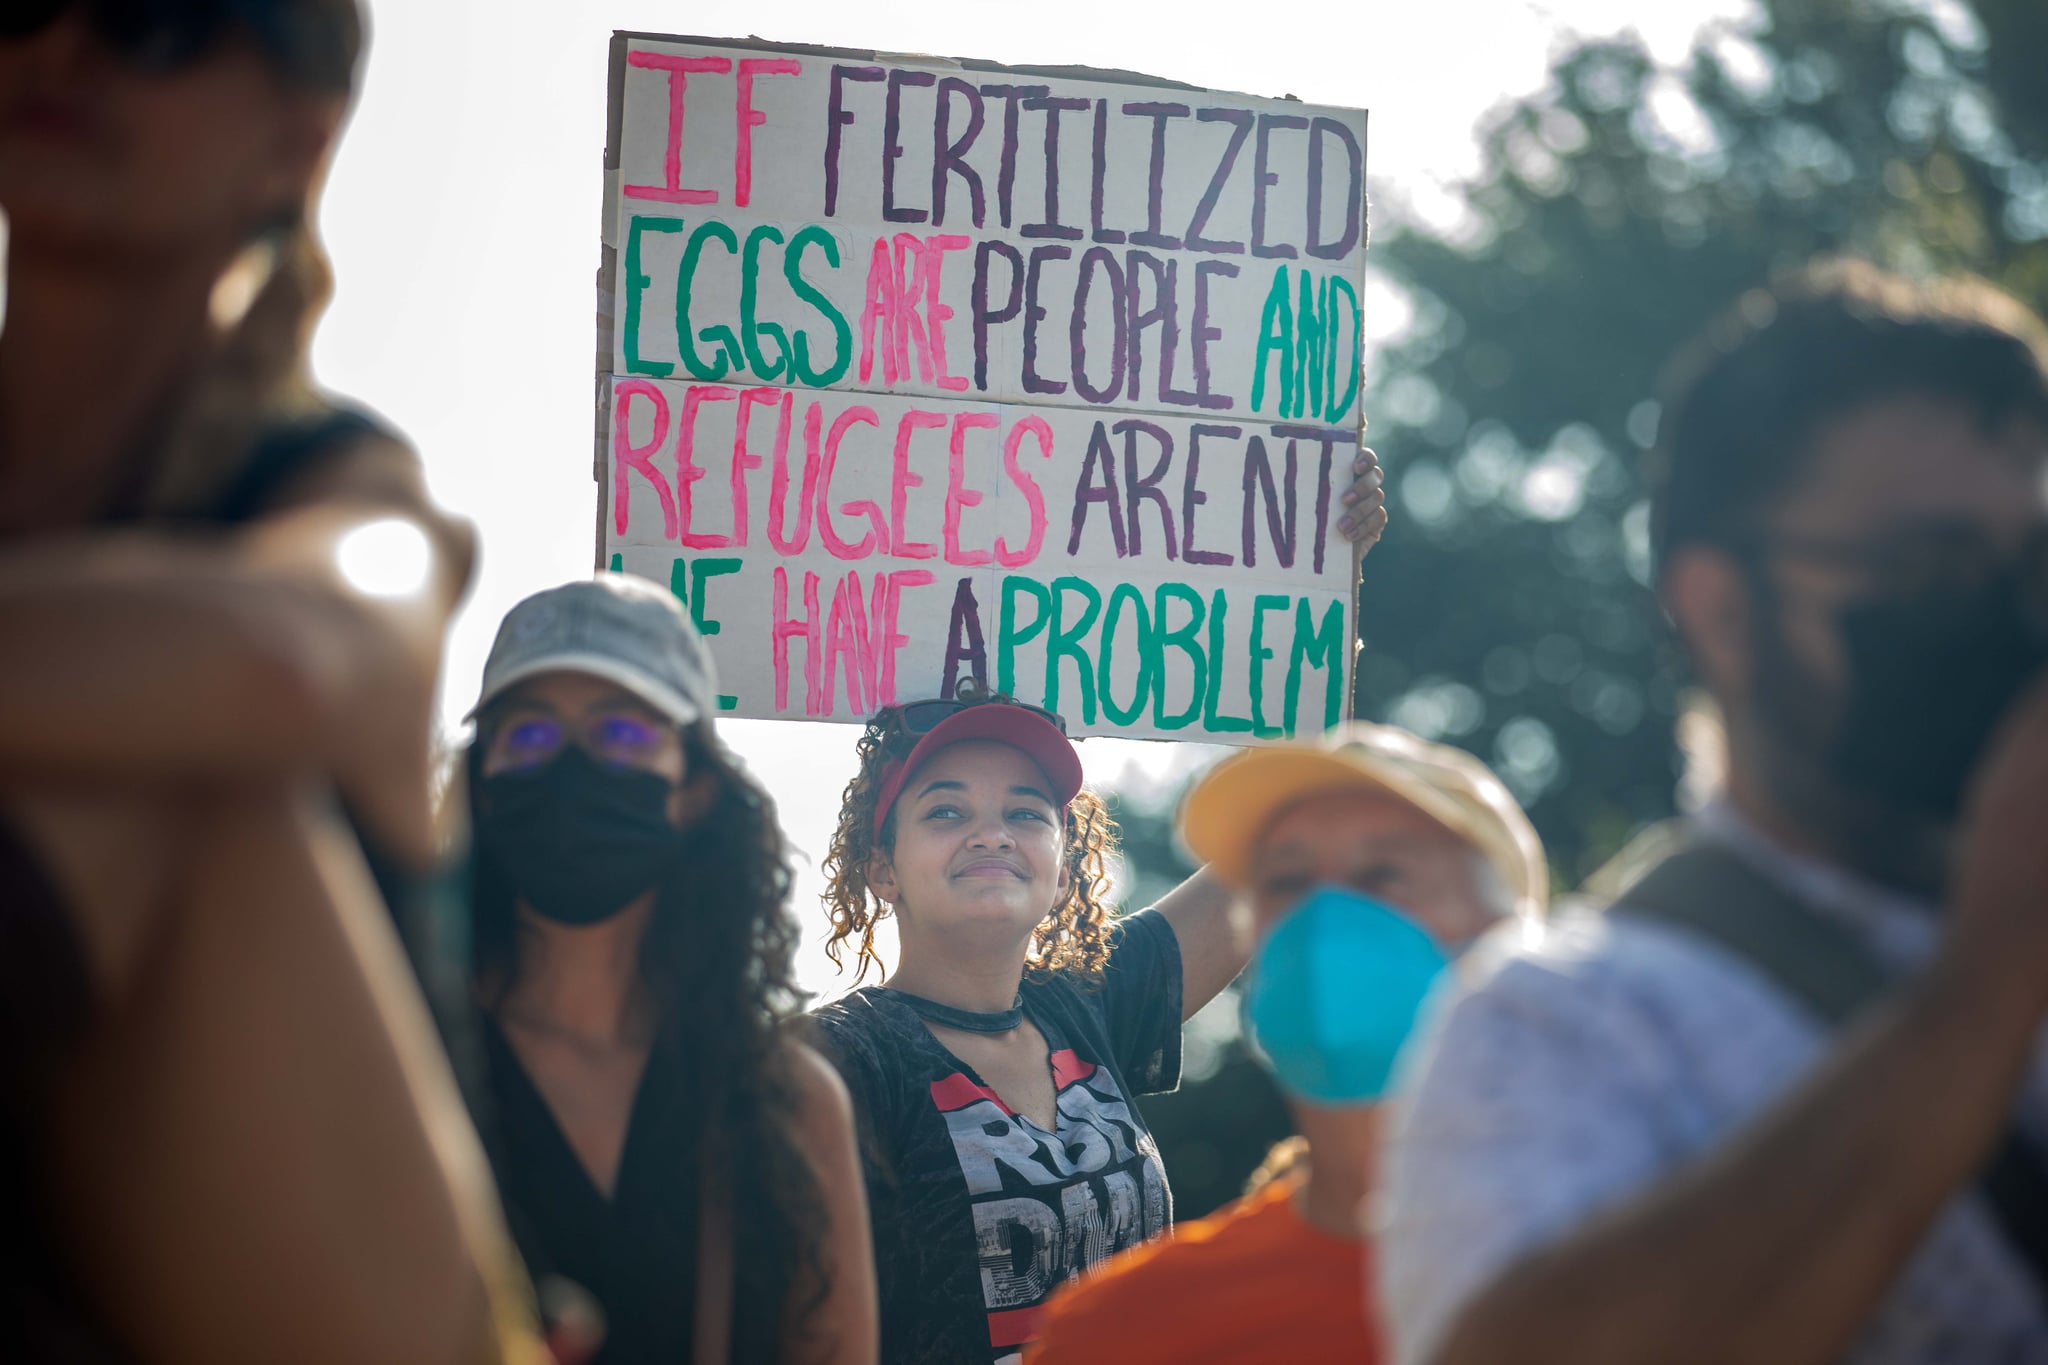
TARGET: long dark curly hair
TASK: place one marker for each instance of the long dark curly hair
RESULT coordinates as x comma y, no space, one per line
1073,940
718,957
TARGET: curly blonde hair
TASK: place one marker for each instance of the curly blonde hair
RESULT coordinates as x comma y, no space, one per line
1072,941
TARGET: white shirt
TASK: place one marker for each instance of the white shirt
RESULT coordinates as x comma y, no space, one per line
1585,1060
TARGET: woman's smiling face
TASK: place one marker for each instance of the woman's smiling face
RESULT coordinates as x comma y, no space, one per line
978,843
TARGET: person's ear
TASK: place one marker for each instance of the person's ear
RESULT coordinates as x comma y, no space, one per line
302,136
881,875
1708,598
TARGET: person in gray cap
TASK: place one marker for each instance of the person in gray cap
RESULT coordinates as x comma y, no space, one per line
658,1142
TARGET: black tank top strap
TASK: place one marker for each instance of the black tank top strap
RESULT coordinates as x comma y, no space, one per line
288,452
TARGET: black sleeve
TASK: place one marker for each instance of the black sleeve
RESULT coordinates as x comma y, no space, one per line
1141,999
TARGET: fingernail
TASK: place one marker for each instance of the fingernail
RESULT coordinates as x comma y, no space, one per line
1361,466
1351,495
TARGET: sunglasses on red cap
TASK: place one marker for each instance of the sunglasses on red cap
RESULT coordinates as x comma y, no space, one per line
1040,733
922,717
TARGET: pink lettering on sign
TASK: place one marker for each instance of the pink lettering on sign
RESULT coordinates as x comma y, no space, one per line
901,481
688,471
891,639
628,457
1034,500
862,639
878,530
878,312
744,459
936,313
781,628
958,495
679,68
749,118
909,252
778,487
846,640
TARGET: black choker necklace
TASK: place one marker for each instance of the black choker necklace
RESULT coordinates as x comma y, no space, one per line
969,1021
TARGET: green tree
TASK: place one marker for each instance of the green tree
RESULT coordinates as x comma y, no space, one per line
1616,211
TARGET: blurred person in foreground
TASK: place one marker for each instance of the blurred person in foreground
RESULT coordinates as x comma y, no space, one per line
227,1130
1784,1100
660,1142
1364,861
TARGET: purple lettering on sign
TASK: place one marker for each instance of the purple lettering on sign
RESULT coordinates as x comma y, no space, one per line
1261,178
1354,190
1052,227
1191,495
892,143
836,118
1137,490
1006,173
1240,121
1033,315
1101,158
1103,259
950,158
1155,181
1202,334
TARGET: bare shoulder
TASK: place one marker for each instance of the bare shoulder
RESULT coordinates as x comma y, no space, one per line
824,1108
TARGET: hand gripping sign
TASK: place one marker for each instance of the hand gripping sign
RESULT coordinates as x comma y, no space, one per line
916,370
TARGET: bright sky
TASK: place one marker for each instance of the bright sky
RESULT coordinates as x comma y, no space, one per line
464,215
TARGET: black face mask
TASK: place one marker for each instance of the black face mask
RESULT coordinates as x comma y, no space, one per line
1931,677
578,839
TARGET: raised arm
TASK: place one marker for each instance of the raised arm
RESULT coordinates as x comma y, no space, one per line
1215,938
306,643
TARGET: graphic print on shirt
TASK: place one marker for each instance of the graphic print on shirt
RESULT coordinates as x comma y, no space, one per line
1047,1205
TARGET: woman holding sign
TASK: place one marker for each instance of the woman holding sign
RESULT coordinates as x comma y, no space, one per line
225,1129
993,1077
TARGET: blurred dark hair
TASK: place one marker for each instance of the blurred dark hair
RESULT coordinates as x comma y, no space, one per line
719,957
1745,403
317,44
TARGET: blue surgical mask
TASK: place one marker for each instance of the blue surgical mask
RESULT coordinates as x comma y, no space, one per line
1335,991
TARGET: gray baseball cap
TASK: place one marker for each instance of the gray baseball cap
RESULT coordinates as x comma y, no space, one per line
615,626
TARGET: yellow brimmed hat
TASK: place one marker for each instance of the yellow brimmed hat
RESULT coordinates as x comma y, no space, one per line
1232,804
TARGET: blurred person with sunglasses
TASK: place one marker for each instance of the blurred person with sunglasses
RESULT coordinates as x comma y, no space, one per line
660,1142
228,1132
1363,861
1786,1099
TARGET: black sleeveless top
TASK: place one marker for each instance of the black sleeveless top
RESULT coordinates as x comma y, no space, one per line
45,989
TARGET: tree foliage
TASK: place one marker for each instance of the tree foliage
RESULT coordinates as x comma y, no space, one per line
1616,211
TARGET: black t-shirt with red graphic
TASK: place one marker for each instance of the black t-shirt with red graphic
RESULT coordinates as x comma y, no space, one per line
978,1212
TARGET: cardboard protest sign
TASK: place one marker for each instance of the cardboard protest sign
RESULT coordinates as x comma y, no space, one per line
916,370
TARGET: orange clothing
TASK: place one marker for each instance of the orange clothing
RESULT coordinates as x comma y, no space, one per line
1253,1281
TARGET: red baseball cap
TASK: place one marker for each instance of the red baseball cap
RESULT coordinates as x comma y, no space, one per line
1026,731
